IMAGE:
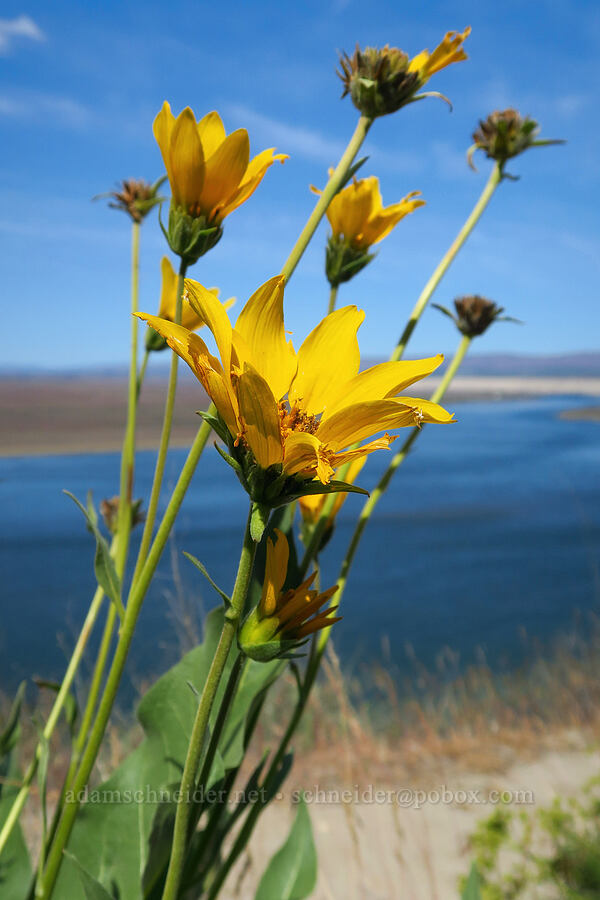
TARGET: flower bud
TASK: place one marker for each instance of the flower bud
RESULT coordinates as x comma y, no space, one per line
135,197
283,620
505,134
190,237
474,314
109,509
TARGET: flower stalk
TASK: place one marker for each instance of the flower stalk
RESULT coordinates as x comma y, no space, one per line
333,185
199,730
164,439
494,180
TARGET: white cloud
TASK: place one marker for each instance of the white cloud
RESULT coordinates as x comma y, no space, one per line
19,27
304,142
35,104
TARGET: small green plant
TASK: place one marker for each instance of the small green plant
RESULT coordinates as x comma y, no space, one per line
553,853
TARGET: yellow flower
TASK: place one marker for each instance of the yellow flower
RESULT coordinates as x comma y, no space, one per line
283,619
380,80
301,413
451,50
210,173
357,214
168,299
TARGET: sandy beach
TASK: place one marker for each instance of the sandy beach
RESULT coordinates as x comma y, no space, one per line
52,415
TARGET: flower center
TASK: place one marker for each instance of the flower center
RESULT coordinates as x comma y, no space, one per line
292,418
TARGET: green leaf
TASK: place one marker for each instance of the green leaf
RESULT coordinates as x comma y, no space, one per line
225,597
92,889
216,423
12,728
333,487
292,872
104,564
352,172
70,708
472,888
42,777
111,839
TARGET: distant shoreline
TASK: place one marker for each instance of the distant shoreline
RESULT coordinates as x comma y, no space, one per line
54,416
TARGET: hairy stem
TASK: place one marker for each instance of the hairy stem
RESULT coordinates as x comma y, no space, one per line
199,730
448,258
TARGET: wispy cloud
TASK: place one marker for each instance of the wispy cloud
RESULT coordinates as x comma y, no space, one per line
32,105
19,27
304,142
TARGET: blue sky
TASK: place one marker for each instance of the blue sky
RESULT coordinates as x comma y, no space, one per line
80,85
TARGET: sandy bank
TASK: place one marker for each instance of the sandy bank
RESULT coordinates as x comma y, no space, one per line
43,416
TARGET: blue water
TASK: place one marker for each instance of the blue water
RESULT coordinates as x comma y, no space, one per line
490,530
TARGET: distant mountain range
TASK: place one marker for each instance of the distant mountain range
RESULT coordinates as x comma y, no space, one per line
581,364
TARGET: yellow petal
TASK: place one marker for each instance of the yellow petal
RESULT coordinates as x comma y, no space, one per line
450,50
211,132
382,381
162,129
206,367
275,572
380,225
426,410
363,420
351,208
252,178
260,325
305,454
328,357
224,170
260,417
168,294
187,161
359,454
213,313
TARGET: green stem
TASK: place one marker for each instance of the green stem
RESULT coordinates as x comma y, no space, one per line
142,372
93,694
315,659
164,440
103,651
376,495
55,712
444,264
332,187
188,780
332,298
128,452
134,604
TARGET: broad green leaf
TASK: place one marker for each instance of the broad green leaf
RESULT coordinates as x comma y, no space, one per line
104,564
292,872
15,867
92,888
472,888
111,839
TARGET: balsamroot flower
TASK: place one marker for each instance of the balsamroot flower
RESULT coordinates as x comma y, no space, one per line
359,220
168,304
210,174
291,419
381,81
284,619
